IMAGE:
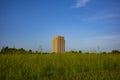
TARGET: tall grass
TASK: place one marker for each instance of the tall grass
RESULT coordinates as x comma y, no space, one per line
59,67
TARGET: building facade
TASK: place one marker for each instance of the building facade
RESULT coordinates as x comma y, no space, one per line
58,44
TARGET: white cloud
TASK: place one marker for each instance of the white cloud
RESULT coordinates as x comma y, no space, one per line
109,37
105,43
81,3
102,17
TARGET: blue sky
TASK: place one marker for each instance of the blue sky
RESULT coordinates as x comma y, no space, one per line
85,24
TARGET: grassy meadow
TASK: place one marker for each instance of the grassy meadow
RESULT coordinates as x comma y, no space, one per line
59,67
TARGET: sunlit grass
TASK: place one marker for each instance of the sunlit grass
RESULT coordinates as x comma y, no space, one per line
59,67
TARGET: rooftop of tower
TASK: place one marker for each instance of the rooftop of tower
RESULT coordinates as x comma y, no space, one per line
58,37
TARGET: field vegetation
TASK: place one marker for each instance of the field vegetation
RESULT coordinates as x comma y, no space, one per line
19,64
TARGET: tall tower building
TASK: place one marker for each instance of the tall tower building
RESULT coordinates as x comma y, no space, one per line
58,44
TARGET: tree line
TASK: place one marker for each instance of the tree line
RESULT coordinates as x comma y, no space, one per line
7,50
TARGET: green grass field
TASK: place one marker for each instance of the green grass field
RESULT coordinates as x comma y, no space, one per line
59,67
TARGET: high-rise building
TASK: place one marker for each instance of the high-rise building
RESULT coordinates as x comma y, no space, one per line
58,44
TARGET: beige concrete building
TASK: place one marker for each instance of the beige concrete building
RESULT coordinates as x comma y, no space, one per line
58,44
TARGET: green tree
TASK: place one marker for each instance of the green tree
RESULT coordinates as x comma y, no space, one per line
80,51
115,52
